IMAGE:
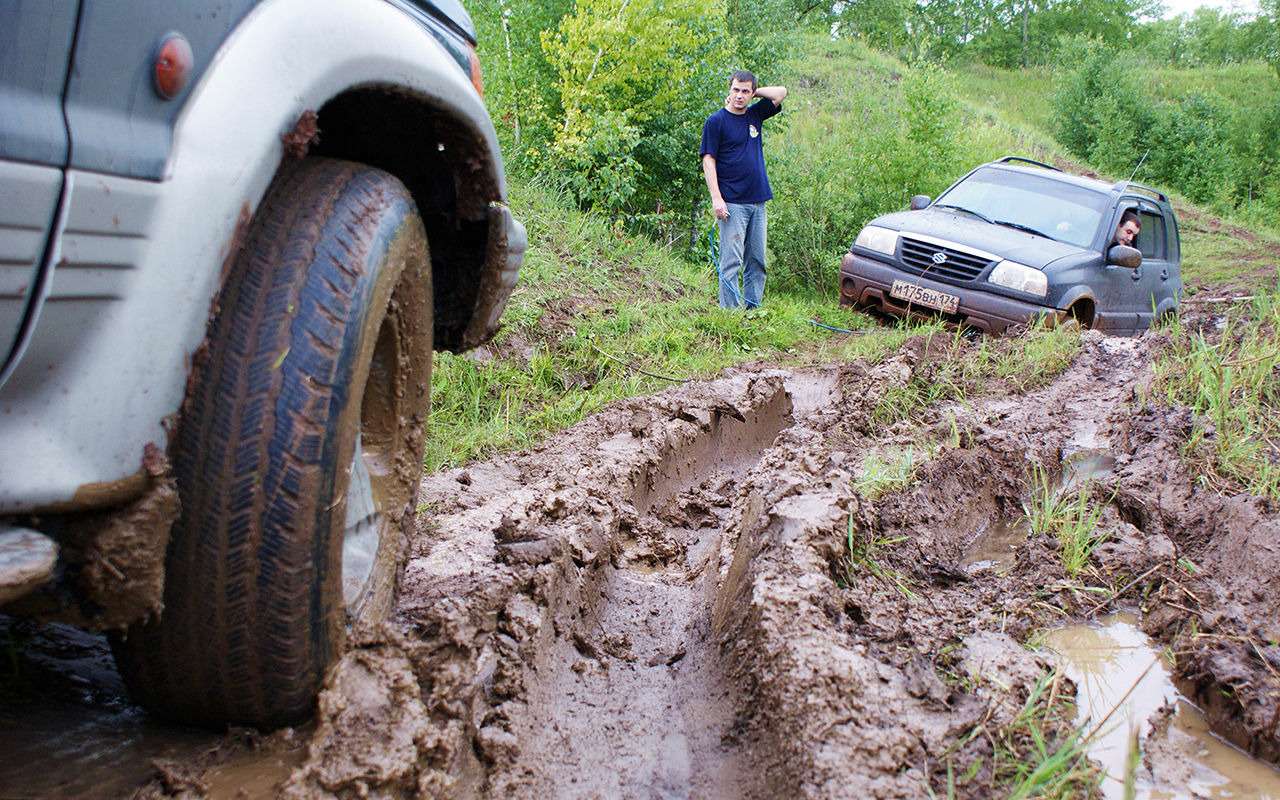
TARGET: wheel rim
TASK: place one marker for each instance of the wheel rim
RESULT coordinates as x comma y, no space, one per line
362,532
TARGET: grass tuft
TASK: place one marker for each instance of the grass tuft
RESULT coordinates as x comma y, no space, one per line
1072,518
1029,756
863,558
889,471
1231,380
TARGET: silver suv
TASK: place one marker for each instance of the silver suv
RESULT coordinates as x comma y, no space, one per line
230,238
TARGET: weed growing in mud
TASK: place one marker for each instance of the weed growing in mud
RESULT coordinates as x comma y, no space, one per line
862,558
889,471
1023,362
1029,756
1071,518
1229,380
1039,355
1030,761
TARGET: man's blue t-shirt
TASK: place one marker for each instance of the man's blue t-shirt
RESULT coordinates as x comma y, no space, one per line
736,142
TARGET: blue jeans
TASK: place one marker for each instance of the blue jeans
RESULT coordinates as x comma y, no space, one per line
742,239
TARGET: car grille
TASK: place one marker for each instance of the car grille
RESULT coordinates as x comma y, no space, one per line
958,266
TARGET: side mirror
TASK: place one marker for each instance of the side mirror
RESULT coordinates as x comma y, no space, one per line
920,201
1124,256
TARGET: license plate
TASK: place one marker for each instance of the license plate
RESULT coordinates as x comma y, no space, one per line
924,296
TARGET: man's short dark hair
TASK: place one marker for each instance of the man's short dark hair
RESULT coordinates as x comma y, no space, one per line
1130,215
741,76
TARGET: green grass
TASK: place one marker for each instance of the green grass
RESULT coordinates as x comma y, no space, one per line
1250,84
1034,763
1213,255
889,471
1038,356
1021,97
597,308
1228,379
1020,362
1072,518
1029,755
862,558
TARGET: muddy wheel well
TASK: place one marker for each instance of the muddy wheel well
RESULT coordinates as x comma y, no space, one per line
445,164
1082,312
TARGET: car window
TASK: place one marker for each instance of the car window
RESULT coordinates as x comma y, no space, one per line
1064,211
1151,239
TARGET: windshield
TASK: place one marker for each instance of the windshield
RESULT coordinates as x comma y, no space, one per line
1057,209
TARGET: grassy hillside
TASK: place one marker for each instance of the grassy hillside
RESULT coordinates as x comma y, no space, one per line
601,314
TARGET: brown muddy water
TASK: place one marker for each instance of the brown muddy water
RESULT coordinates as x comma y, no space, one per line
67,729
1123,685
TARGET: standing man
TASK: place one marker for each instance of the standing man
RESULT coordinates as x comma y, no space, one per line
733,164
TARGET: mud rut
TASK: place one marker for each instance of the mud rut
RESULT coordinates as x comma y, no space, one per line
656,603
636,684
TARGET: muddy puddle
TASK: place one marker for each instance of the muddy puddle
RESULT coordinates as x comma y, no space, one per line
1124,687
996,545
68,730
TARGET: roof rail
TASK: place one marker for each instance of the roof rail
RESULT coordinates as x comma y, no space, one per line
1126,186
1008,159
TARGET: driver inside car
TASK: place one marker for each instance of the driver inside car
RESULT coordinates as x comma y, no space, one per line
1127,231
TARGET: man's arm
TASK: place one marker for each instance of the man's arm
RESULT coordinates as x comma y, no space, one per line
775,93
718,205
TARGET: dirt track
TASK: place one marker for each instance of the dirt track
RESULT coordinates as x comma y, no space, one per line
659,601
656,603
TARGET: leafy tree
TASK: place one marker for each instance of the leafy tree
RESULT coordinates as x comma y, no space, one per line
1269,33
519,82
634,78
1101,108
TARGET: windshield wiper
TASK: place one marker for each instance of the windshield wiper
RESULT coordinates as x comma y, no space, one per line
1022,227
977,214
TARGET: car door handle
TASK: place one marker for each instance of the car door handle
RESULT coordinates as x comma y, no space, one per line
1164,274
1137,274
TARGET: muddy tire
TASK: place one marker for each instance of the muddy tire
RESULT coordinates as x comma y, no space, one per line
297,456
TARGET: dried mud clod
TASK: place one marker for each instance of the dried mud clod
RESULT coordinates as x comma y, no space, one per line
302,136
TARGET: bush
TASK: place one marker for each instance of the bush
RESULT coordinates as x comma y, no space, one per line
851,152
1102,111
1190,150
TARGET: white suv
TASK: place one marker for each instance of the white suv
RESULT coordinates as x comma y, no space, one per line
230,238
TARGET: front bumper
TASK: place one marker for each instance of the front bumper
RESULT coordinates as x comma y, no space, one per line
866,282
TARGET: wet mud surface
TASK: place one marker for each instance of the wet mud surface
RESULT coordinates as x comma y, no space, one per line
685,596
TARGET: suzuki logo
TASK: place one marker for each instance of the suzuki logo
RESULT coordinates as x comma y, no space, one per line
939,257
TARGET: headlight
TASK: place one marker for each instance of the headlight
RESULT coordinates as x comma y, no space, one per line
882,240
1020,277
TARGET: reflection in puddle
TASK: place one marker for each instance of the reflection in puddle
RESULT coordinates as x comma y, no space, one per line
995,546
1109,662
1082,467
